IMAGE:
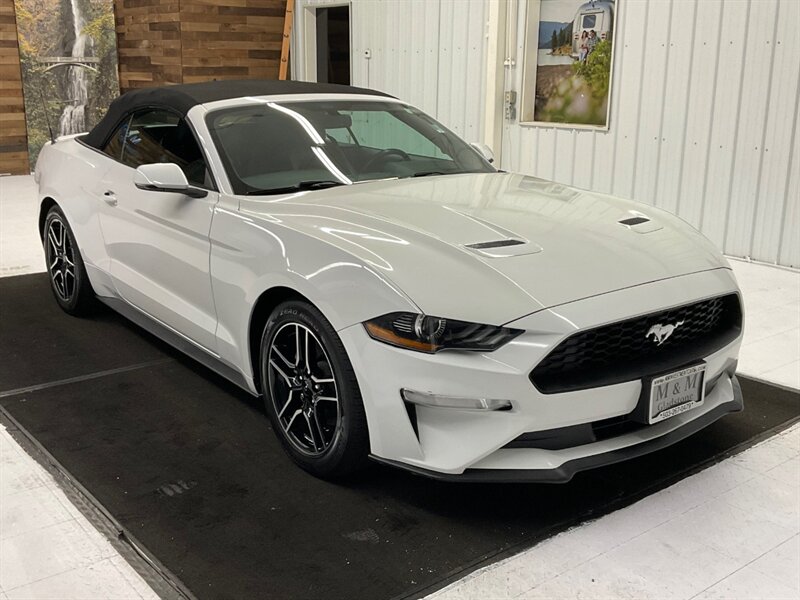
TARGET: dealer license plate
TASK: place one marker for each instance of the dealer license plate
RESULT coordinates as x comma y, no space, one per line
676,392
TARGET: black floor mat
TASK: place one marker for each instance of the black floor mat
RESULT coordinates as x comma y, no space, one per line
39,343
188,465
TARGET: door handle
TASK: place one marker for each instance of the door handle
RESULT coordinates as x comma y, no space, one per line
109,198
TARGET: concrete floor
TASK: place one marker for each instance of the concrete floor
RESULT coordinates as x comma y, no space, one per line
48,548
730,531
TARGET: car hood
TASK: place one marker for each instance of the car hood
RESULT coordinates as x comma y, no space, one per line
494,247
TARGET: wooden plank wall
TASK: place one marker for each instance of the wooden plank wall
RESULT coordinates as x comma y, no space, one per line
185,41
148,42
13,136
231,39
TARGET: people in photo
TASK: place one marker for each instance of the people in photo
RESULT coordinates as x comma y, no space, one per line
591,42
583,46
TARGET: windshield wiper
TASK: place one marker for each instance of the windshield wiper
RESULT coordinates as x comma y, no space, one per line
317,184
429,173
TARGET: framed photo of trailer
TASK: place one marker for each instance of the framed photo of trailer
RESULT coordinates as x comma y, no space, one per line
568,63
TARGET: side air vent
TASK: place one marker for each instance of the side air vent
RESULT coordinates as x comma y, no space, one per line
494,244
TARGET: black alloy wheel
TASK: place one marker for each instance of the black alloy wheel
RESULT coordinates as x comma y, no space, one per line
68,279
303,389
60,260
311,393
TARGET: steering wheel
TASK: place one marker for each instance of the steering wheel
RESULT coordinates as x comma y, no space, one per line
382,155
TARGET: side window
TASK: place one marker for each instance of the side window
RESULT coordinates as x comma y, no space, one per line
159,136
114,145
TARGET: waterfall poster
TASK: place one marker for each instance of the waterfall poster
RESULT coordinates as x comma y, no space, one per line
68,52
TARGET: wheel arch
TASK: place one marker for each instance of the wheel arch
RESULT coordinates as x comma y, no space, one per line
262,309
45,206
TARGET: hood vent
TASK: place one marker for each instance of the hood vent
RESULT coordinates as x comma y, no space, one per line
630,222
640,223
504,248
494,244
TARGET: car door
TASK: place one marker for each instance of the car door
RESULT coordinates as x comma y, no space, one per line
158,242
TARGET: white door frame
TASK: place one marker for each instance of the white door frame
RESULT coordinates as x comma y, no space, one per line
304,45
494,78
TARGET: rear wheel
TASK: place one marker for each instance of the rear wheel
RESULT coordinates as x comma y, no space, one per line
311,393
68,279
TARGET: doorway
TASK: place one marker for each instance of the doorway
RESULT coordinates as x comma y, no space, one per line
333,44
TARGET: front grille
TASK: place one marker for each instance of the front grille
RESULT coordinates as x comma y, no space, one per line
623,351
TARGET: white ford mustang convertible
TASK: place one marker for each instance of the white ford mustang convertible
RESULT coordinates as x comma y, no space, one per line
385,289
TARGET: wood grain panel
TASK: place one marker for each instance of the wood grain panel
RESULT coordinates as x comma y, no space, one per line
220,43
13,136
148,42
185,41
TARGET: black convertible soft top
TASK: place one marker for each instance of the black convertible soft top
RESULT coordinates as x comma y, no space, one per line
181,98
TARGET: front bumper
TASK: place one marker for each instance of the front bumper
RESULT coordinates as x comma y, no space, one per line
567,470
448,442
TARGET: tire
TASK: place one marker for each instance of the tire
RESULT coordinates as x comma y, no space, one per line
68,279
327,438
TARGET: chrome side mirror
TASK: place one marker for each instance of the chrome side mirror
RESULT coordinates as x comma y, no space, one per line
165,177
484,151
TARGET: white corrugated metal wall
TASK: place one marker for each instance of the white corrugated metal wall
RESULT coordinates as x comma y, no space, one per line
703,113
703,122
427,52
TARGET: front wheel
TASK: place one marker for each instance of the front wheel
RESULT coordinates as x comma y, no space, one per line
68,279
311,393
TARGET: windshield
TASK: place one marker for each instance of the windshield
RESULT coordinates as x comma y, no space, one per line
277,147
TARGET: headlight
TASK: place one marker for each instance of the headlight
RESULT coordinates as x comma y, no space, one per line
431,334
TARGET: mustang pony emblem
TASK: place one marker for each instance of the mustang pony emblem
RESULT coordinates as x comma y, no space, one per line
661,332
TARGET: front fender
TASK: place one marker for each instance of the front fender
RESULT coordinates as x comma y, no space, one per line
251,255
